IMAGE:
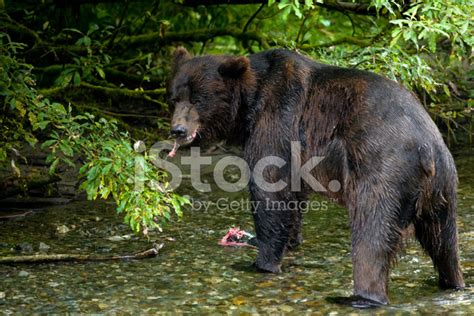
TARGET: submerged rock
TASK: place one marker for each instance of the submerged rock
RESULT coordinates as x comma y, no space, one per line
43,247
23,274
120,238
62,229
24,247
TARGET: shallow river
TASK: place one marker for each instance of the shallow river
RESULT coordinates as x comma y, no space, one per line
193,274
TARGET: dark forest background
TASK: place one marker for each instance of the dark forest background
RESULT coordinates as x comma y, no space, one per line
82,81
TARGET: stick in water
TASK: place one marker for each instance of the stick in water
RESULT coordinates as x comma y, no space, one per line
150,253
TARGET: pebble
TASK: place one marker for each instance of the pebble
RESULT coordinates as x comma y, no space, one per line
53,284
43,247
239,300
2,295
23,274
215,280
102,305
115,238
286,308
24,247
62,229
120,238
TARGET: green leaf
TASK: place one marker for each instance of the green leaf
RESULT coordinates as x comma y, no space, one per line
395,39
31,139
64,79
73,30
92,28
42,124
12,103
84,41
48,143
77,79
69,162
92,173
105,193
66,148
177,208
100,71
446,90
21,108
122,205
87,41
52,168
106,169
58,107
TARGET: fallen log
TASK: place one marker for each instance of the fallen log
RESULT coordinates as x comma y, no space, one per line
17,215
45,258
36,202
14,186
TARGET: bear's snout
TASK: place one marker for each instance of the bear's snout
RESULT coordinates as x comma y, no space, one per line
178,130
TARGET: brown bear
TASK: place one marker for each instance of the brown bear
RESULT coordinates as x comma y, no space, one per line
379,145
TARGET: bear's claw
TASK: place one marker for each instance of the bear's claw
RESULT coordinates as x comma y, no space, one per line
267,268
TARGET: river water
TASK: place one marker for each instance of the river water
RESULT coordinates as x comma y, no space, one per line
193,274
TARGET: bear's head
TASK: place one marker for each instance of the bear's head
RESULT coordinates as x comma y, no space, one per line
205,94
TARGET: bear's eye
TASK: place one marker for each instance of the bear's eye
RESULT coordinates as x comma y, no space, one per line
195,101
172,103
174,100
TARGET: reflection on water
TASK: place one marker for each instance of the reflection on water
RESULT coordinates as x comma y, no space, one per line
192,273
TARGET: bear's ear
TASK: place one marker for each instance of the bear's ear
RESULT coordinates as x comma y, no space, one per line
180,55
234,67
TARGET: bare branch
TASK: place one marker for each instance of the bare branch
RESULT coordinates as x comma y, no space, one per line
157,38
111,92
252,18
341,6
195,3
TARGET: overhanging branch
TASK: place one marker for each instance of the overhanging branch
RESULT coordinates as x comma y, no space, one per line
111,92
157,38
344,40
341,6
195,3
349,7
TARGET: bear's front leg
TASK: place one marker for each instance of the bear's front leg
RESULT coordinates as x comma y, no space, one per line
273,224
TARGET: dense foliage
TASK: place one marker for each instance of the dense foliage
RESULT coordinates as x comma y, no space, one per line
111,165
110,59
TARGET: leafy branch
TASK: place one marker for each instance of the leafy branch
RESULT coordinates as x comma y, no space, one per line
112,166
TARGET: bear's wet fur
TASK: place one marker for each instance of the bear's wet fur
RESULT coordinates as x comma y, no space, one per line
378,141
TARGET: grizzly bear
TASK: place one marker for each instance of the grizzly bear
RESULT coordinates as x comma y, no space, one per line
378,142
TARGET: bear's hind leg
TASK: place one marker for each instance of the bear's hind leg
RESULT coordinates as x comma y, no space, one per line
374,246
376,239
295,237
437,234
373,252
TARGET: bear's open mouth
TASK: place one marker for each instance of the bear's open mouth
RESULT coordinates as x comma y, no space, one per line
182,141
